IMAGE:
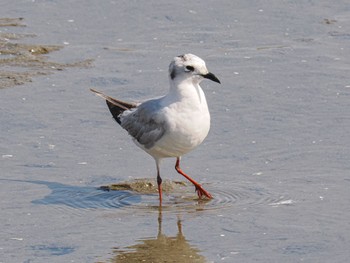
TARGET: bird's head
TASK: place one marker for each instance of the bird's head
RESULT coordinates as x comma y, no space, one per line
190,67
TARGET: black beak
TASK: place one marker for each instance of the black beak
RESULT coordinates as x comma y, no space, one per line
212,77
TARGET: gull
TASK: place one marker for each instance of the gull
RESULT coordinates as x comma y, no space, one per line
172,125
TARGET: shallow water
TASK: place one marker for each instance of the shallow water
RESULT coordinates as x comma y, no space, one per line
276,159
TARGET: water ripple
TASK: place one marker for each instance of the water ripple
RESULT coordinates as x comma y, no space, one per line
185,199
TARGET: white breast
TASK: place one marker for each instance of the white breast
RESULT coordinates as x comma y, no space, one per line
188,125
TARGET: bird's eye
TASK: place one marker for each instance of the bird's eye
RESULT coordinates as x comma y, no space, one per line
189,68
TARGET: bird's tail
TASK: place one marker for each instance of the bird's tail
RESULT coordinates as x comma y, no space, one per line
116,107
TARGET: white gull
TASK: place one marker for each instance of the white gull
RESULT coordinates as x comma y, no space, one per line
174,124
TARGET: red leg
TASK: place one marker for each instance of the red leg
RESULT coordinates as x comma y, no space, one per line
159,182
200,190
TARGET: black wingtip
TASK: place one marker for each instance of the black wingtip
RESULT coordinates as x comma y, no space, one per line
115,110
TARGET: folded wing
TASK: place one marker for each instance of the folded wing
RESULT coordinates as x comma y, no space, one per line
142,121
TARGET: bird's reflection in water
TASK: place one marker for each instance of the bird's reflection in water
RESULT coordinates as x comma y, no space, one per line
160,249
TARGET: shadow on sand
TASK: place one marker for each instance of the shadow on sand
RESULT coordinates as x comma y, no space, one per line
85,197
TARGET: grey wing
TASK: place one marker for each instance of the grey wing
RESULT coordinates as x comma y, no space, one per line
144,123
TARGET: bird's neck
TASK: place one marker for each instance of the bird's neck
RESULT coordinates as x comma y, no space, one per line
187,90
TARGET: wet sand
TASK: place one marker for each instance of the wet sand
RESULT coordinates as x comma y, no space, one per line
276,159
21,62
